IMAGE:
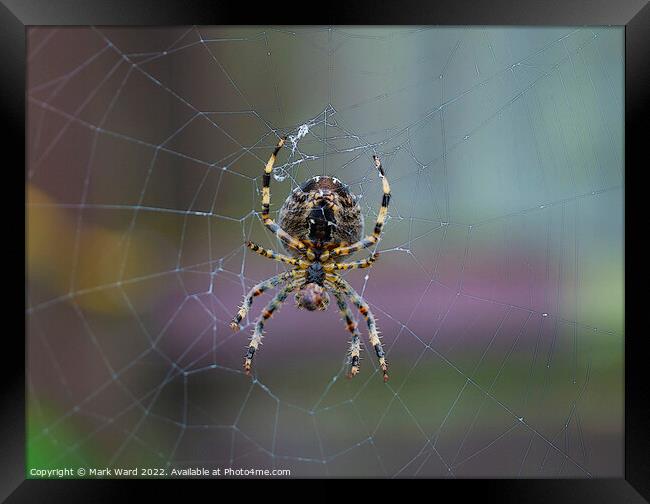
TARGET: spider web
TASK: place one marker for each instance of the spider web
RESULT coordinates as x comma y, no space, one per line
498,292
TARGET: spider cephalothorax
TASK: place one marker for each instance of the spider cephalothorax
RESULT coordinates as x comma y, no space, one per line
320,223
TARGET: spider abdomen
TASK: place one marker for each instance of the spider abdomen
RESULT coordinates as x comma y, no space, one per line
324,211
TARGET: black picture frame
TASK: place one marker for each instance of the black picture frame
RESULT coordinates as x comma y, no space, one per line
17,15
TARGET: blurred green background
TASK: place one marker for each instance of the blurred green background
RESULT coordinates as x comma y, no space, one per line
499,291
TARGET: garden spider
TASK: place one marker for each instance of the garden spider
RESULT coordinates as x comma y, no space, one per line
319,224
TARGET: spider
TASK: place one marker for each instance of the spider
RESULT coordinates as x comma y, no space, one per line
319,224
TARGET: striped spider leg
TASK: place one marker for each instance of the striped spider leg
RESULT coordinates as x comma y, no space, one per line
363,263
260,288
266,314
351,325
275,256
289,240
381,219
337,284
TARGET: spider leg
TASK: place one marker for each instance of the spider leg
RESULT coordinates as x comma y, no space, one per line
259,289
351,325
381,218
275,256
364,263
266,203
336,283
273,305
